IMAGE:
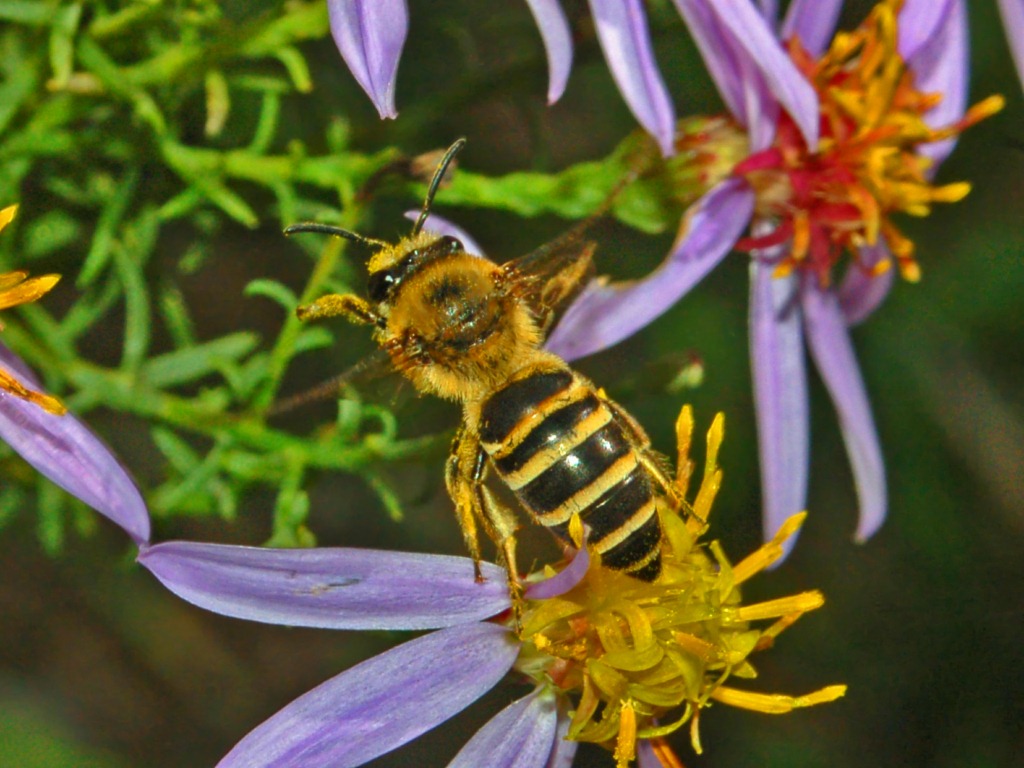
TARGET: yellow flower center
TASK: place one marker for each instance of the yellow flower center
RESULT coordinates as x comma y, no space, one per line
866,166
18,288
643,659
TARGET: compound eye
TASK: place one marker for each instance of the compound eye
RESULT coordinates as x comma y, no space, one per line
379,285
450,244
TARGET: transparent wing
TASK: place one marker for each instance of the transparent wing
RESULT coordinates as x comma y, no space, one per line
374,366
550,277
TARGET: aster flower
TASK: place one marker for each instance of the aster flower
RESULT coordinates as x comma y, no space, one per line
60,447
370,36
840,137
607,659
1012,12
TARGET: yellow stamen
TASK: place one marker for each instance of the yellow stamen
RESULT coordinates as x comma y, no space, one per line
769,552
625,744
665,755
712,479
775,703
783,606
644,658
576,530
695,733
7,215
18,288
838,196
15,289
684,435
48,403
801,235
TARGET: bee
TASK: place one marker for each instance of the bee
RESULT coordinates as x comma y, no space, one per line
463,328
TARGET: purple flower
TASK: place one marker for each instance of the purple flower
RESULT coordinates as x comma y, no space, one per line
632,655
622,31
389,700
60,447
1013,22
64,450
370,36
807,204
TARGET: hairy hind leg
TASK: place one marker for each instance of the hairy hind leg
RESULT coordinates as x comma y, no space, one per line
464,476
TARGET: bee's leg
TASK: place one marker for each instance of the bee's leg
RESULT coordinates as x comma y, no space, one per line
501,525
353,308
459,479
657,466
464,477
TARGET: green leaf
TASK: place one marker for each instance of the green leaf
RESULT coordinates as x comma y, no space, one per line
275,291
50,524
137,310
17,90
62,37
50,232
387,495
12,500
297,68
108,224
191,363
218,102
312,338
266,125
25,12
182,456
176,316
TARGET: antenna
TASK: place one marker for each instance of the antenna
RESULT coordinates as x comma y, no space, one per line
329,229
435,182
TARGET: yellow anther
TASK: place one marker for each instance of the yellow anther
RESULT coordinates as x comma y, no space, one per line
7,215
783,606
775,703
769,552
625,744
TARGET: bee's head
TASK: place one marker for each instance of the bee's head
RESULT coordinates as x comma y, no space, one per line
390,266
390,263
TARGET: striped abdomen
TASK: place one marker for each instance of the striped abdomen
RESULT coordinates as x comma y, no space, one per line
558,447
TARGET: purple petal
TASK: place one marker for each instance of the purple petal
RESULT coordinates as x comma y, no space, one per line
770,11
565,751
522,735
382,703
442,226
562,581
722,60
605,314
332,588
755,49
621,27
918,22
933,40
645,757
794,93
1013,24
833,354
860,292
370,35
812,22
64,450
780,394
557,37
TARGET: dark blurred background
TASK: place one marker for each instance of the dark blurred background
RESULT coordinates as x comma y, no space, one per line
102,667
